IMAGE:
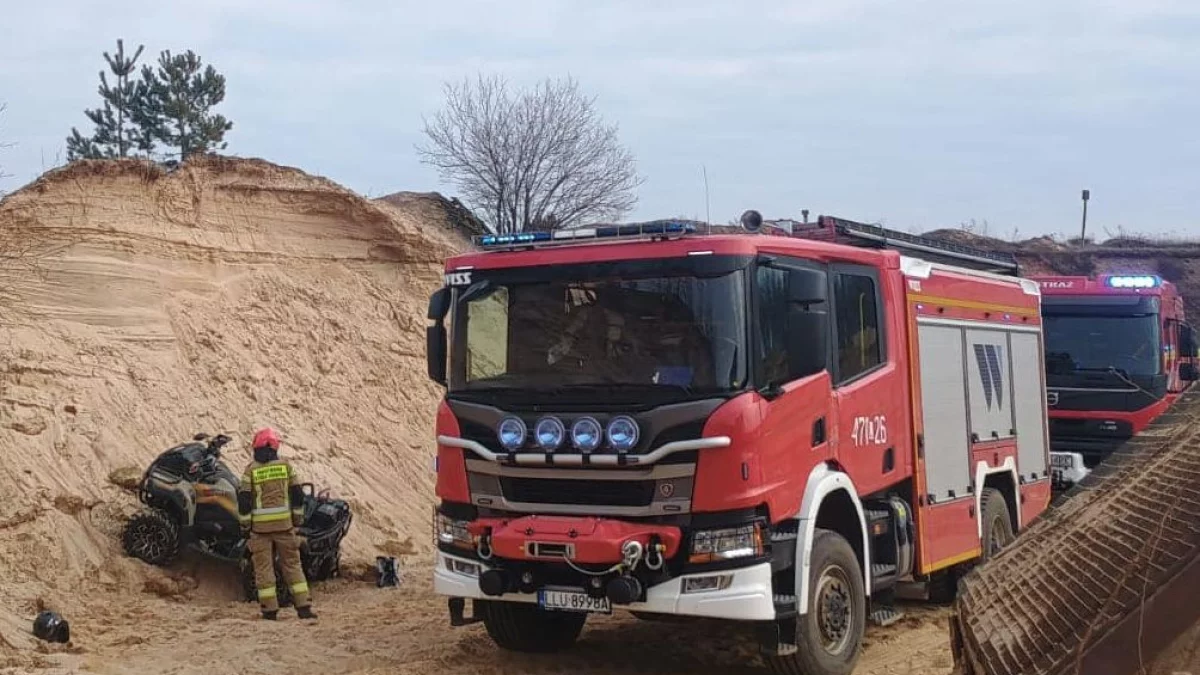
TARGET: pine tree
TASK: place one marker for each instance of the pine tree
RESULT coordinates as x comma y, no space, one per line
178,102
117,130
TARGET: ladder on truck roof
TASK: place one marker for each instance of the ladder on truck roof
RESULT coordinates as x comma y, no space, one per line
825,228
842,231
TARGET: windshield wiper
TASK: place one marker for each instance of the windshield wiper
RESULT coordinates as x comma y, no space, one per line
1107,370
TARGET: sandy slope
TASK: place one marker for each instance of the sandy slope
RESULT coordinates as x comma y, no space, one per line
226,295
140,307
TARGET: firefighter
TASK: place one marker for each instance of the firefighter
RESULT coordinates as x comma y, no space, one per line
270,507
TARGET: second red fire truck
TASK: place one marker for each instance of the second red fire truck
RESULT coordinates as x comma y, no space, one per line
1118,352
778,430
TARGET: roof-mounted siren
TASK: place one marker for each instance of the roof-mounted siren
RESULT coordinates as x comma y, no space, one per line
752,221
1133,281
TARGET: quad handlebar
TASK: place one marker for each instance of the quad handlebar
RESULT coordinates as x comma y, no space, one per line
214,444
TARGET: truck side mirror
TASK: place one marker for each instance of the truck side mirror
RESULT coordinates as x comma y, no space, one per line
439,304
1187,341
809,341
1188,372
808,322
435,335
806,287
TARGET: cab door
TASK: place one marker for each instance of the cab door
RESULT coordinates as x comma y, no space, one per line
868,378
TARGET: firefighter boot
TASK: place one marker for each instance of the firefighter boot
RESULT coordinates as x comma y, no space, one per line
305,612
270,615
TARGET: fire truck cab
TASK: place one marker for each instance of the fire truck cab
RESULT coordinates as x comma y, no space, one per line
1118,353
775,427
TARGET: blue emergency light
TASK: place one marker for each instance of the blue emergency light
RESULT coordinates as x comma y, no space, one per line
660,228
1141,281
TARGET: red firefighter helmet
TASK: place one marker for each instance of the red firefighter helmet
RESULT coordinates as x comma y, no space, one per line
265,438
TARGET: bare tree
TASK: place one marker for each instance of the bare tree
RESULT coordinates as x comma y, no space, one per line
541,159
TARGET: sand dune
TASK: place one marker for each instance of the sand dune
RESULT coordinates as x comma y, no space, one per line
143,307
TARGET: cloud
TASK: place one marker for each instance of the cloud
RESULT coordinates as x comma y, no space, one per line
926,113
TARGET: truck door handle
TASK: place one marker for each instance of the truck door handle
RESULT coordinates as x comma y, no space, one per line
818,432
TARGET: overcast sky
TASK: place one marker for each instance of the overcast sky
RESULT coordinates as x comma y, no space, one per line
920,114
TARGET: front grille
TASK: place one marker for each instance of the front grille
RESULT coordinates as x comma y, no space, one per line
578,492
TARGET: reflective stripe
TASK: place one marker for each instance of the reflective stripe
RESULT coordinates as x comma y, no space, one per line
243,517
273,509
272,517
266,593
300,587
270,472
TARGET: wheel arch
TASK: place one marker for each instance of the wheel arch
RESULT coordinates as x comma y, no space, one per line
1004,479
831,502
177,500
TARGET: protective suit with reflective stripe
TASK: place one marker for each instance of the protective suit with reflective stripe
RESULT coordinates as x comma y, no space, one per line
270,507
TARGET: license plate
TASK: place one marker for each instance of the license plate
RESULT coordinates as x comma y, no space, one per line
572,600
1062,461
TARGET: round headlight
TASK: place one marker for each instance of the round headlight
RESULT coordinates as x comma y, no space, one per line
549,433
586,434
622,433
511,432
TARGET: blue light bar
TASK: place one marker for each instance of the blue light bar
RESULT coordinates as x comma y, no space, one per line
1139,281
516,238
658,228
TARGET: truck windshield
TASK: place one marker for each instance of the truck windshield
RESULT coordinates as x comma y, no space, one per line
579,328
1094,343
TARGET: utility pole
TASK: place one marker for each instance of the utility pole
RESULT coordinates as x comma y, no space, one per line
1083,232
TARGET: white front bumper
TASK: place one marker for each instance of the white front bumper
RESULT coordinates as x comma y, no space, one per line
748,597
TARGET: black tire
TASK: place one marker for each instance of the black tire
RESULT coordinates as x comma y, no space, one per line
152,536
997,524
521,627
943,587
328,567
249,588
830,635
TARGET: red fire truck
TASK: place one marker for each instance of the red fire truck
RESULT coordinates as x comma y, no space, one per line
770,429
1118,353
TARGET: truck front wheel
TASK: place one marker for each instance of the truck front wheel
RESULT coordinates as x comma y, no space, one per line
521,627
829,636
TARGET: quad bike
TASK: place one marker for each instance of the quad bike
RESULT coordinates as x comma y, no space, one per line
191,500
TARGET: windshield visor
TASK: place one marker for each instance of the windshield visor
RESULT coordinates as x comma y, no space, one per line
673,325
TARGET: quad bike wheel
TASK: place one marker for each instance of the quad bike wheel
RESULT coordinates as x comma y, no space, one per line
320,567
152,536
331,567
